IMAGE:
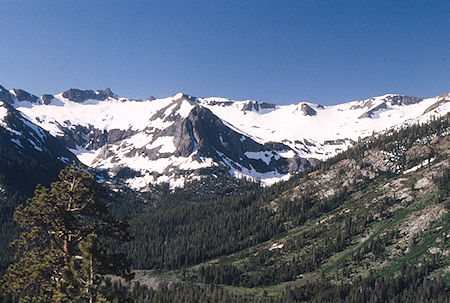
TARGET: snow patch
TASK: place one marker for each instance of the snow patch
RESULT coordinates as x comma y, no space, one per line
84,155
185,109
276,246
287,153
3,114
139,140
165,143
147,168
265,156
413,169
242,172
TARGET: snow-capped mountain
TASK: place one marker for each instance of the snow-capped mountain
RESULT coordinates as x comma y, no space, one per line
28,153
174,139
319,132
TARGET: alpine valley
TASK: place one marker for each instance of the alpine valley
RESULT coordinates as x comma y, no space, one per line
244,201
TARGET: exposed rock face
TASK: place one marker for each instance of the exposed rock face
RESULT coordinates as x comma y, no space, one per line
402,100
388,100
78,95
418,152
47,99
109,93
90,137
219,142
307,110
181,96
257,106
5,95
441,100
25,96
372,111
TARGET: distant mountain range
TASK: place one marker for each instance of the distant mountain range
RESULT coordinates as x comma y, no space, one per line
180,138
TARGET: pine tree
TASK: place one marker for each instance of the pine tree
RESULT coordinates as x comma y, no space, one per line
62,254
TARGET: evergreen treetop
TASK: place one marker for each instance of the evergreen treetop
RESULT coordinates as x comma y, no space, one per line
62,255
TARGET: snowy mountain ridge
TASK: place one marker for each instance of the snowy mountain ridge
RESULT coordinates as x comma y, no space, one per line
172,139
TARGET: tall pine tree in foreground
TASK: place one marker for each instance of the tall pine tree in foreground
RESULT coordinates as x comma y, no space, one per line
62,253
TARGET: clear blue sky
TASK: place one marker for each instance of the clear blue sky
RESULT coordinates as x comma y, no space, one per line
276,51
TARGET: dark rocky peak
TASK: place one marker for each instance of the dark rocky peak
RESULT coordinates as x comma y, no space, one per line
307,110
22,95
257,106
216,140
78,95
5,95
151,98
109,93
47,99
250,105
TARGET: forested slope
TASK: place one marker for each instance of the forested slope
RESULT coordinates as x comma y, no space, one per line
374,211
